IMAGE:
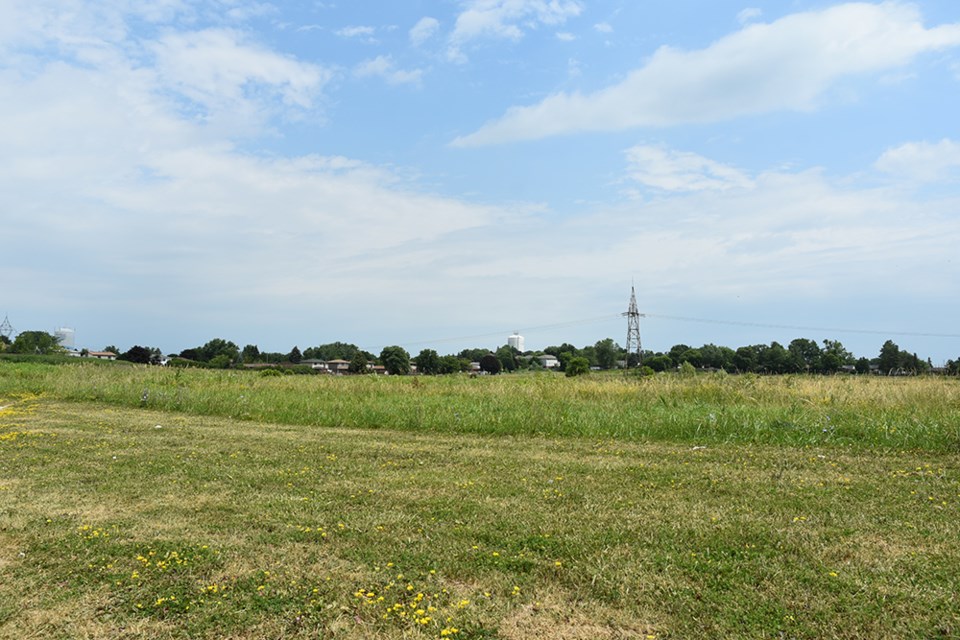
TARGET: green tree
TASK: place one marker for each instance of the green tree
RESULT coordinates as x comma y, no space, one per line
490,363
863,365
676,351
250,354
136,353
659,362
472,355
295,356
773,359
804,355
745,359
693,356
217,347
39,342
334,351
889,360
577,366
395,360
607,352
508,358
358,363
222,361
428,362
453,364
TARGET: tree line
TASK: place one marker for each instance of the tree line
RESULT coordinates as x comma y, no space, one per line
801,355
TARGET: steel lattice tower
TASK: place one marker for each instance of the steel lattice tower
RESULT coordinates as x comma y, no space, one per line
633,330
5,329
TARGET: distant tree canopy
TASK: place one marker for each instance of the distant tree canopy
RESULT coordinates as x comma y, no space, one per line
358,364
801,355
141,355
607,352
395,360
250,354
491,364
472,355
892,360
334,351
213,349
428,362
37,342
508,358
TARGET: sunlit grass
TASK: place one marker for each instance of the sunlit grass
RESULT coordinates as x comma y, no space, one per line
897,413
133,522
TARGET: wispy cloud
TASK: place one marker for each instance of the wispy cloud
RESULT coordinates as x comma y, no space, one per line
224,74
603,27
749,15
787,64
425,29
923,161
681,171
506,19
384,67
360,32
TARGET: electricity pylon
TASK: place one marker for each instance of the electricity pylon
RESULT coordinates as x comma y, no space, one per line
633,330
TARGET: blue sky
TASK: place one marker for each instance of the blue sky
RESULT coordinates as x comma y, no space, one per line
440,173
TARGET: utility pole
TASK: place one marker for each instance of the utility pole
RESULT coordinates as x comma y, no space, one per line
633,330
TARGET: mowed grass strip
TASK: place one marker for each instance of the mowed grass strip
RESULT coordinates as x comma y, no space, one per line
851,411
136,523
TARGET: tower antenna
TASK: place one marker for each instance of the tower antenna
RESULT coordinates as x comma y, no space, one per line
5,329
633,316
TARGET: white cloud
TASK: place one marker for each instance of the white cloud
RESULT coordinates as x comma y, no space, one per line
218,69
681,171
356,32
506,19
603,27
564,36
791,234
425,29
384,67
749,15
787,64
923,161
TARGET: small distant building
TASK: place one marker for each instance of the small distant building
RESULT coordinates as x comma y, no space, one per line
548,361
516,341
102,355
338,366
314,363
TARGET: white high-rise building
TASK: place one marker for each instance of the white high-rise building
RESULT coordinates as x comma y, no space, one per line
516,341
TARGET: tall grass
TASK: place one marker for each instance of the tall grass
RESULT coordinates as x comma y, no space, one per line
895,413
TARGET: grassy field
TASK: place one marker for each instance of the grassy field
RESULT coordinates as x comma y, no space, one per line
145,503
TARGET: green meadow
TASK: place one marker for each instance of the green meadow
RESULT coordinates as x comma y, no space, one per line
153,503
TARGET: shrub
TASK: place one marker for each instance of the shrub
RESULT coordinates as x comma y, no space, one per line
577,366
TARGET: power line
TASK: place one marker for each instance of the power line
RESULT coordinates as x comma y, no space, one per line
556,325
914,334
734,323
